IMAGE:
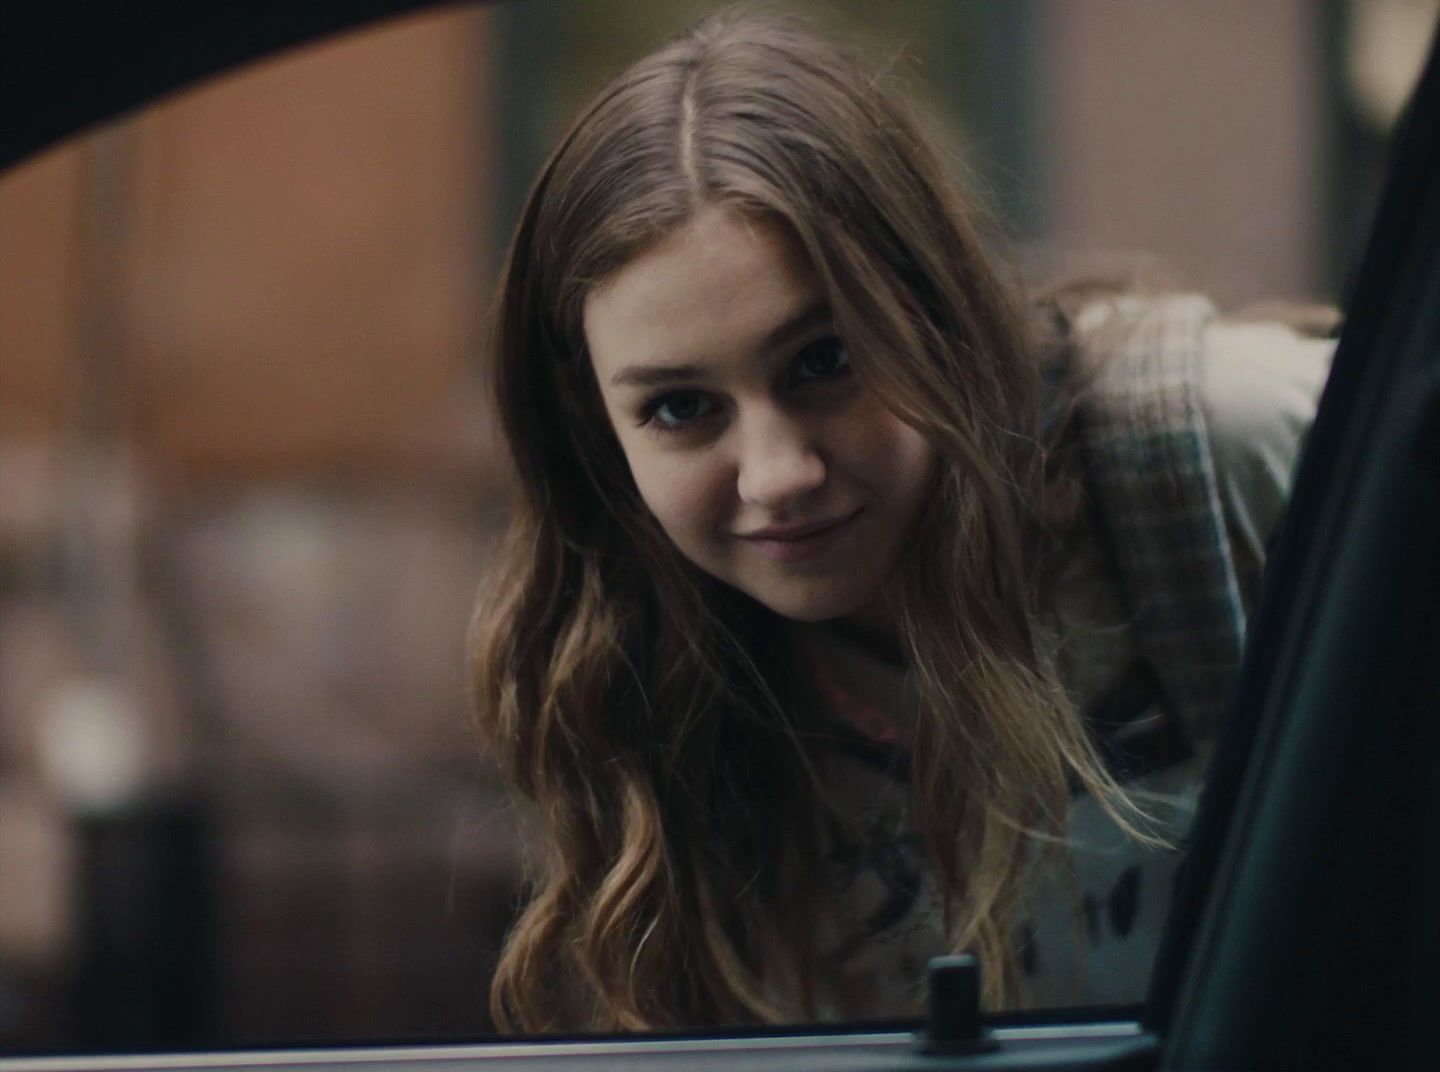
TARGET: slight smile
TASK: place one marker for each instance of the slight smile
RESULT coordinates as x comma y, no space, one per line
794,543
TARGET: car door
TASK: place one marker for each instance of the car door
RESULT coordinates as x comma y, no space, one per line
1305,932
1308,934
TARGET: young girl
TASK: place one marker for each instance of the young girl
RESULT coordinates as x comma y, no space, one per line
833,578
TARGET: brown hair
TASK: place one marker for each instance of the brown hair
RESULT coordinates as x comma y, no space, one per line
644,709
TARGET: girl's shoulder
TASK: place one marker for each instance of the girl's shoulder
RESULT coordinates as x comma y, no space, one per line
1189,426
1259,381
1137,364
1231,395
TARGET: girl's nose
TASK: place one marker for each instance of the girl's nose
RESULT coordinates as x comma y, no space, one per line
780,463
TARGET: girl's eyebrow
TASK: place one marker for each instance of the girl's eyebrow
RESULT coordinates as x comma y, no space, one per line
808,318
656,375
812,316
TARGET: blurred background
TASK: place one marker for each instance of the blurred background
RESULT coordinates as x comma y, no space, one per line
249,483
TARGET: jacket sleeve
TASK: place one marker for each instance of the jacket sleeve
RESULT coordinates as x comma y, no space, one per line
1259,384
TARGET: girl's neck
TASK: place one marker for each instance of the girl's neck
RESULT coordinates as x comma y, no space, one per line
873,630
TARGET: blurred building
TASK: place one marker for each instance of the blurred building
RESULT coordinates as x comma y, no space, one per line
248,489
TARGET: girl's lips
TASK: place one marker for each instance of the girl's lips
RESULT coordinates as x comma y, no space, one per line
802,542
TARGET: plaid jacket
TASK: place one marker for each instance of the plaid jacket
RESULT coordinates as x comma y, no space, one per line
1149,464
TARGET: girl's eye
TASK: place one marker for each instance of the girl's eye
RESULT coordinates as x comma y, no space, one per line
673,411
824,359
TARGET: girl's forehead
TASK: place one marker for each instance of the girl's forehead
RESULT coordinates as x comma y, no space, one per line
719,286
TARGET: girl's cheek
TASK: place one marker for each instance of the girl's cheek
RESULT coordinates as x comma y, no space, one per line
668,488
698,497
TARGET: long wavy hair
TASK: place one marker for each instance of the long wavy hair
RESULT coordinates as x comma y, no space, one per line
647,713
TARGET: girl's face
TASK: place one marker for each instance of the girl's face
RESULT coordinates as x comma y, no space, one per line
747,432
